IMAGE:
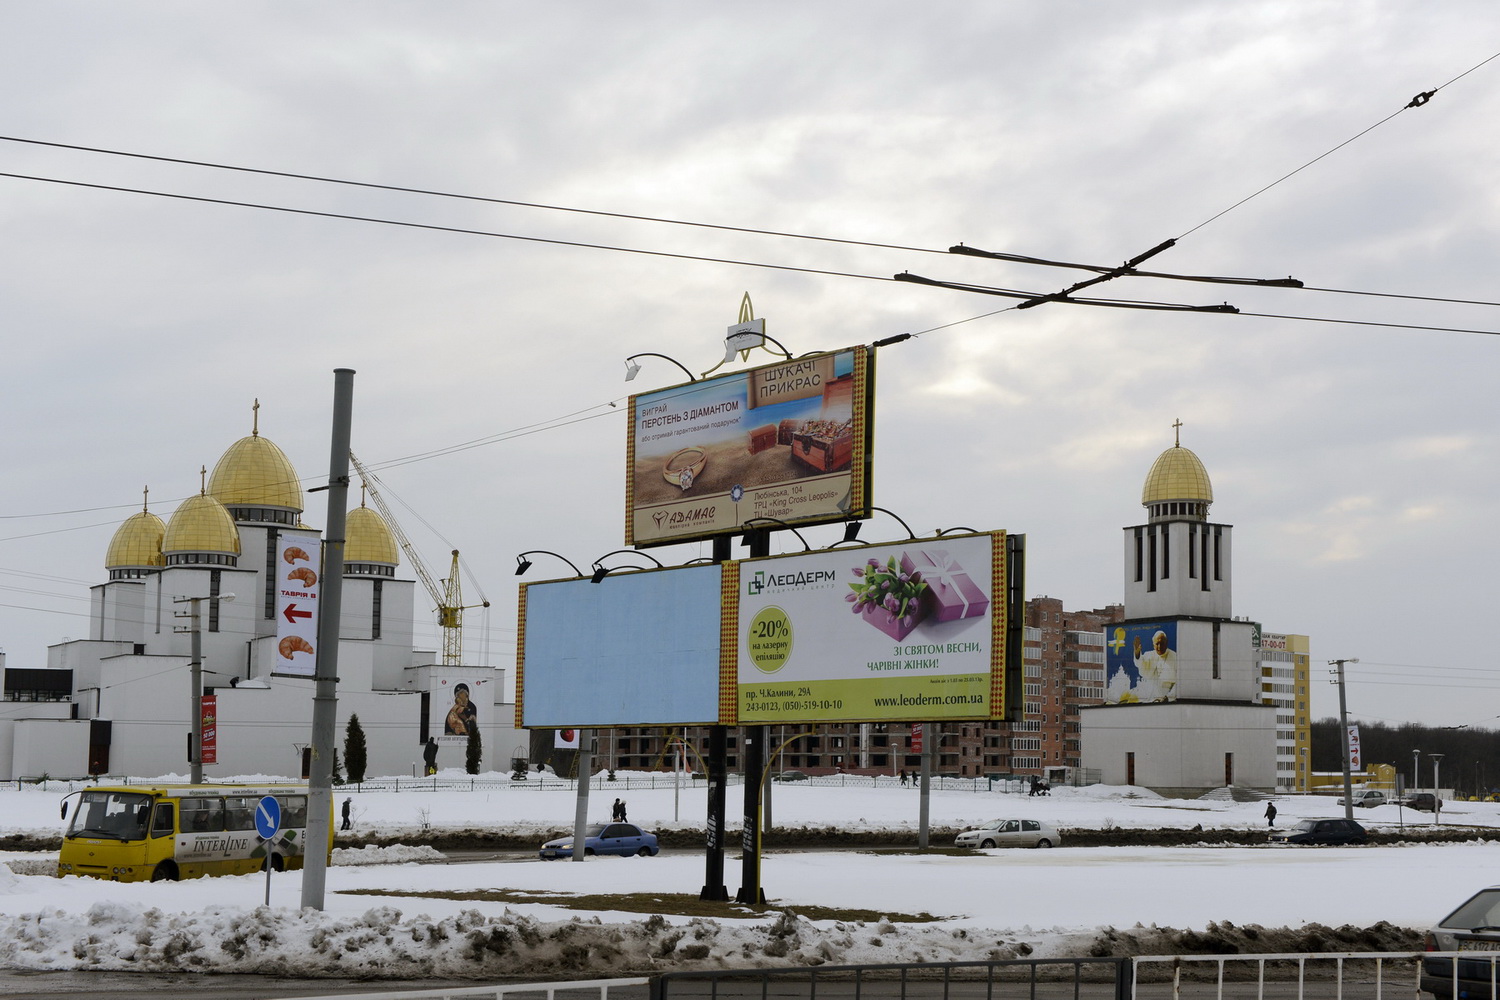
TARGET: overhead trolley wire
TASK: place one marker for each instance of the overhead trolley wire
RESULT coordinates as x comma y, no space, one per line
663,220
438,228
401,189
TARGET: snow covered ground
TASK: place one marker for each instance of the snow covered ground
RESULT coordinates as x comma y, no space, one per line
994,904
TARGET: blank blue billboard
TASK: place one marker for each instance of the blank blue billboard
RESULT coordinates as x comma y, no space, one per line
634,649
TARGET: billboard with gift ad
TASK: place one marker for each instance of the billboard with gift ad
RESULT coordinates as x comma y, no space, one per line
787,440
915,630
1140,663
634,649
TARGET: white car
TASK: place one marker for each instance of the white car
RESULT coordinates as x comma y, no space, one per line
1010,833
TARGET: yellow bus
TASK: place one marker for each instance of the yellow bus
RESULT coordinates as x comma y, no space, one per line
133,833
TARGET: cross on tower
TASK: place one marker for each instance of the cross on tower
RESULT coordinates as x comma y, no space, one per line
1177,433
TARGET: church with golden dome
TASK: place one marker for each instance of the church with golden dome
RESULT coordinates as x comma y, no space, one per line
1188,702
132,704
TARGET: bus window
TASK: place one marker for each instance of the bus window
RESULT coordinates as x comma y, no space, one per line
161,821
202,815
110,815
239,812
293,811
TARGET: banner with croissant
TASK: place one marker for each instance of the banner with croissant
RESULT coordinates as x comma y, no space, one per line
299,561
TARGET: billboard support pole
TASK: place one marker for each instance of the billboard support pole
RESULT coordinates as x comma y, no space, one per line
718,755
753,756
929,737
585,765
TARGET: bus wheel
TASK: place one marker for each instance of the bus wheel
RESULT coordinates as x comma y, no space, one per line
277,862
164,872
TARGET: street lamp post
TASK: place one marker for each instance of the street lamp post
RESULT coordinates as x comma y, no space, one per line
1437,802
1415,754
195,666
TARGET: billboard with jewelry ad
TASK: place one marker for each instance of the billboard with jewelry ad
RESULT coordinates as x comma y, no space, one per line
912,630
787,441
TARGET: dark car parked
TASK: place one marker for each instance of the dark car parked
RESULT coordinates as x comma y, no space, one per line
1321,831
1473,927
1422,801
789,776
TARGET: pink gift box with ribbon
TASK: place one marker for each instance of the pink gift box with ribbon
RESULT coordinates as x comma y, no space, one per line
892,626
951,593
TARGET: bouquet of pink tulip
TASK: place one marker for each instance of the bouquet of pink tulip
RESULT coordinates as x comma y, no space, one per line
888,588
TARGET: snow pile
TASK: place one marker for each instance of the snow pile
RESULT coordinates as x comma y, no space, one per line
393,855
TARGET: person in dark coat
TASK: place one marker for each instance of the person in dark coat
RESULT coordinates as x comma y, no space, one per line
622,817
616,812
429,755
347,822
1270,814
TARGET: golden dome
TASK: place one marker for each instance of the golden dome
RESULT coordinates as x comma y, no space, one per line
368,539
201,524
137,542
1177,474
256,473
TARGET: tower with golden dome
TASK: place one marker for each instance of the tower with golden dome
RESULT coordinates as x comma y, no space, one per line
1178,562
1184,709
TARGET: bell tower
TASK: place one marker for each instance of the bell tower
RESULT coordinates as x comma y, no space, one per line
1178,563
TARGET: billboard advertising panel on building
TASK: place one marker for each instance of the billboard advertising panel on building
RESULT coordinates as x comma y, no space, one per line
915,630
634,649
1140,662
787,441
460,700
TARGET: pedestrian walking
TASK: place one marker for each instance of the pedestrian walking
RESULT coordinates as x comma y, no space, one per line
617,811
622,811
348,824
1270,814
903,779
429,756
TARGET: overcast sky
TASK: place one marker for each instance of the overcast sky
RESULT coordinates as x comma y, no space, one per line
1356,462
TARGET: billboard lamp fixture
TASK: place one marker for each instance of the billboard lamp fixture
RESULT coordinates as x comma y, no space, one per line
777,520
523,564
851,530
909,532
601,571
632,370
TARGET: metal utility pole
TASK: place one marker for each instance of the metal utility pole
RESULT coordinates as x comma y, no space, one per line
325,688
195,668
1344,731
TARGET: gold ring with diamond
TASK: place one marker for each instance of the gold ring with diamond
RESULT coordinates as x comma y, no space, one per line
684,467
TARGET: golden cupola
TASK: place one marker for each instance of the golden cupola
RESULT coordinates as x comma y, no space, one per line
256,481
1177,486
201,532
135,549
370,548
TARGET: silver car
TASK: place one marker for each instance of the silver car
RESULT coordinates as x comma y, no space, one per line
1474,931
1010,833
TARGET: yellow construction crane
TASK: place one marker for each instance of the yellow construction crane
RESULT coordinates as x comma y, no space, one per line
448,597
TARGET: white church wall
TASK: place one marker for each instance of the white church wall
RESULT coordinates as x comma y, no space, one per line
1180,748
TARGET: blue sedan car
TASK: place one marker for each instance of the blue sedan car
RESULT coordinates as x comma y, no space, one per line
624,839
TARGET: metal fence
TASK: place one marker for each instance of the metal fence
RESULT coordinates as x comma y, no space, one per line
1020,979
590,989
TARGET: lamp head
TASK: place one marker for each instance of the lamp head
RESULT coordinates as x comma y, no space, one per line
851,530
522,565
600,573
632,369
226,597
